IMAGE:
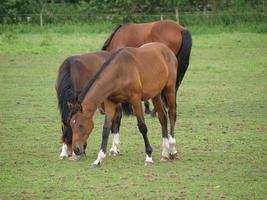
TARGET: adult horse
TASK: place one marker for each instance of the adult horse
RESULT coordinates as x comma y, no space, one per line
73,75
129,75
173,35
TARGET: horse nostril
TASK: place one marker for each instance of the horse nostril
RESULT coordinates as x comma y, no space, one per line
77,151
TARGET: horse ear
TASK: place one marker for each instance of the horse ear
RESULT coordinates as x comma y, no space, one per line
70,105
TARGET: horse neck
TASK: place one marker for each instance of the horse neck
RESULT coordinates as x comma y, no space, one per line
102,88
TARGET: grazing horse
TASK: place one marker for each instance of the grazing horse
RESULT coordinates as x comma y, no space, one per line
73,75
173,35
129,75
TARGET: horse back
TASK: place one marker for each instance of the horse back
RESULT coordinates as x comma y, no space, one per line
150,68
130,35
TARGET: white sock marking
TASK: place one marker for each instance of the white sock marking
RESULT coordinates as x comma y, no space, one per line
165,147
64,152
172,142
148,159
115,143
100,157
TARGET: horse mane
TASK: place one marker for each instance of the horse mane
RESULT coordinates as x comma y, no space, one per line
65,94
96,76
108,41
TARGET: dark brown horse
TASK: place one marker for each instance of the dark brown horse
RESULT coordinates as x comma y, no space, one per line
73,75
129,75
173,35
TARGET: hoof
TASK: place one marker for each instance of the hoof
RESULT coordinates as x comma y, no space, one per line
148,163
73,158
174,156
96,165
113,152
164,159
63,157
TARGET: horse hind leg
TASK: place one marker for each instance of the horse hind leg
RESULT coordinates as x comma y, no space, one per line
163,122
115,129
170,96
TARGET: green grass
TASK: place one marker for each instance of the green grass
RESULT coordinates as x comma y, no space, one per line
221,129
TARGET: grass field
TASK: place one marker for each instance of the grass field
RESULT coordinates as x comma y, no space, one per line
221,131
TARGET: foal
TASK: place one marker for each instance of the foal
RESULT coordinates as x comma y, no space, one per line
129,75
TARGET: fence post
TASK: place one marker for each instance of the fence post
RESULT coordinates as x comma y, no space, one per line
177,14
161,18
41,19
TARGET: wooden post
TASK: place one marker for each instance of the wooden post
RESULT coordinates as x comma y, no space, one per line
177,14
41,19
161,17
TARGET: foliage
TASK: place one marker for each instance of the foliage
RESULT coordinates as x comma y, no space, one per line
60,11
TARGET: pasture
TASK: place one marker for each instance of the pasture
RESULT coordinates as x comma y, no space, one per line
221,129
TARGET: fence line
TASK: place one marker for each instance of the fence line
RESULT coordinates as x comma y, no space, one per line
143,14
42,18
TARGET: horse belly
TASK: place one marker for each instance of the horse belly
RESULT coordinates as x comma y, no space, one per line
153,85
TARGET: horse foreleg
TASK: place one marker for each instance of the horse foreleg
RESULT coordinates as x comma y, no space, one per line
64,152
110,109
137,105
115,129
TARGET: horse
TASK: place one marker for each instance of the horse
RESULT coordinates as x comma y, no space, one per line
172,34
73,75
129,75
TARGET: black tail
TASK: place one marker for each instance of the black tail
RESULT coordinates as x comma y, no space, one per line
183,57
127,108
65,94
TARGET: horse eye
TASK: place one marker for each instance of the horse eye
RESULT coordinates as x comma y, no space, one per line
74,121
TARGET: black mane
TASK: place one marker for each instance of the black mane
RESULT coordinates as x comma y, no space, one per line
95,77
107,42
65,94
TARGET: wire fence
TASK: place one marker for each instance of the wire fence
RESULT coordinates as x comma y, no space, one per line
195,18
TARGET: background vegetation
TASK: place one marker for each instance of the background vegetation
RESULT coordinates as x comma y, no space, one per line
191,12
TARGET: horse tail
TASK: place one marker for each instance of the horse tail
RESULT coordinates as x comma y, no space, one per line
65,94
107,42
127,108
183,57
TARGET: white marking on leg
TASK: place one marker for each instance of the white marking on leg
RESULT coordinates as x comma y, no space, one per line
114,150
148,160
172,142
64,152
100,157
165,148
